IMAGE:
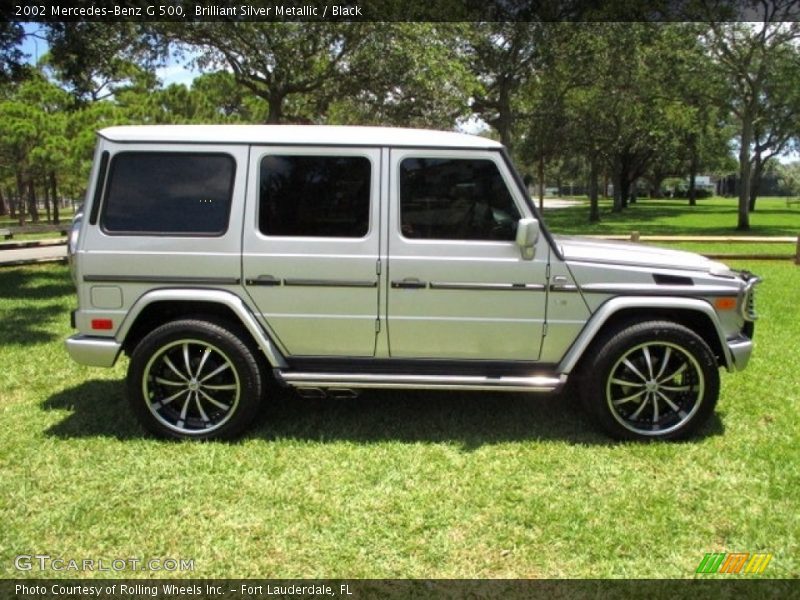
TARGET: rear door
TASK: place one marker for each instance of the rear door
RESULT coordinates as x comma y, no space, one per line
310,247
458,285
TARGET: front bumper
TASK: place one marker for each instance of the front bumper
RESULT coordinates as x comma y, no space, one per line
93,351
740,348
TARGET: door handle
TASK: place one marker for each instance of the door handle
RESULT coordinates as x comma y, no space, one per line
409,283
263,280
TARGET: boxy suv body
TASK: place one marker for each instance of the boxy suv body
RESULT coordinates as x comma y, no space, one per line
332,259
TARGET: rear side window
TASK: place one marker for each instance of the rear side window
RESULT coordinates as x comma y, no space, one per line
169,193
455,199
98,187
314,196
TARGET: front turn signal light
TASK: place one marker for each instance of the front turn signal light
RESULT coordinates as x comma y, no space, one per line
725,303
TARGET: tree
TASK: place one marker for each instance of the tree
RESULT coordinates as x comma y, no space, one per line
624,109
751,57
780,124
408,74
33,134
225,100
542,113
282,63
789,178
703,132
46,144
81,127
12,65
94,59
503,57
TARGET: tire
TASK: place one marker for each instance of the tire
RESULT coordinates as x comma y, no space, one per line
653,380
195,379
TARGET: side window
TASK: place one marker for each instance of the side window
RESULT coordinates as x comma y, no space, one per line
455,199
165,193
314,196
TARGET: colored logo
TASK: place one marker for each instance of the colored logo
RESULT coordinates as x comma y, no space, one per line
734,562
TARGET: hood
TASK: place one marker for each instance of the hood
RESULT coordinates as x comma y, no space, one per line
629,253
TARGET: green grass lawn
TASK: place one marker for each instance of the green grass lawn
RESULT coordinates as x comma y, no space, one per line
394,484
711,216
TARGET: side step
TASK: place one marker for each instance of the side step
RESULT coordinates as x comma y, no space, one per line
532,383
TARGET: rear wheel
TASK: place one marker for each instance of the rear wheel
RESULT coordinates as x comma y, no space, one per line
194,379
651,380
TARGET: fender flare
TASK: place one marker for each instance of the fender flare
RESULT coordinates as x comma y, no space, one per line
224,298
615,305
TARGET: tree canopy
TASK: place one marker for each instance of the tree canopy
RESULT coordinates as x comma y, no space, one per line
632,103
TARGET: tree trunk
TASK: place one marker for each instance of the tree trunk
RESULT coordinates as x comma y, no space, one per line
33,210
46,200
540,174
275,112
755,181
605,184
54,196
624,191
20,199
594,209
2,203
744,173
753,191
655,187
618,192
693,180
503,122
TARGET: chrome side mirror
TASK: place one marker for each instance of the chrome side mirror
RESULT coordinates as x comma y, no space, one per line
527,234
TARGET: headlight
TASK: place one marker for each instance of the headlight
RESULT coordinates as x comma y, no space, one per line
748,305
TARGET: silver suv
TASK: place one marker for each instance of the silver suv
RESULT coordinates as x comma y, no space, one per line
331,259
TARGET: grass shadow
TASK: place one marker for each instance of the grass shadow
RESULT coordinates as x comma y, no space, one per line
34,284
28,325
29,304
96,408
470,419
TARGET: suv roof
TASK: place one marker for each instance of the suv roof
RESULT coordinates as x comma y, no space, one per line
296,134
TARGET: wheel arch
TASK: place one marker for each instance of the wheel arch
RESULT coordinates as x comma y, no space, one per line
697,315
161,306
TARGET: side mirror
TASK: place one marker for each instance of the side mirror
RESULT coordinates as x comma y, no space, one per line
527,234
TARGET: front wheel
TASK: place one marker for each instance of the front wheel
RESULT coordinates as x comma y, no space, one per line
651,380
194,379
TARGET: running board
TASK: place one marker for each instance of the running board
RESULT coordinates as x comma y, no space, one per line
532,383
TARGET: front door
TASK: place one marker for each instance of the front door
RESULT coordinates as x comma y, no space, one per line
458,285
310,247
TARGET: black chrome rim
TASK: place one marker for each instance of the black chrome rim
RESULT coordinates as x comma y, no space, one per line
655,388
191,387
